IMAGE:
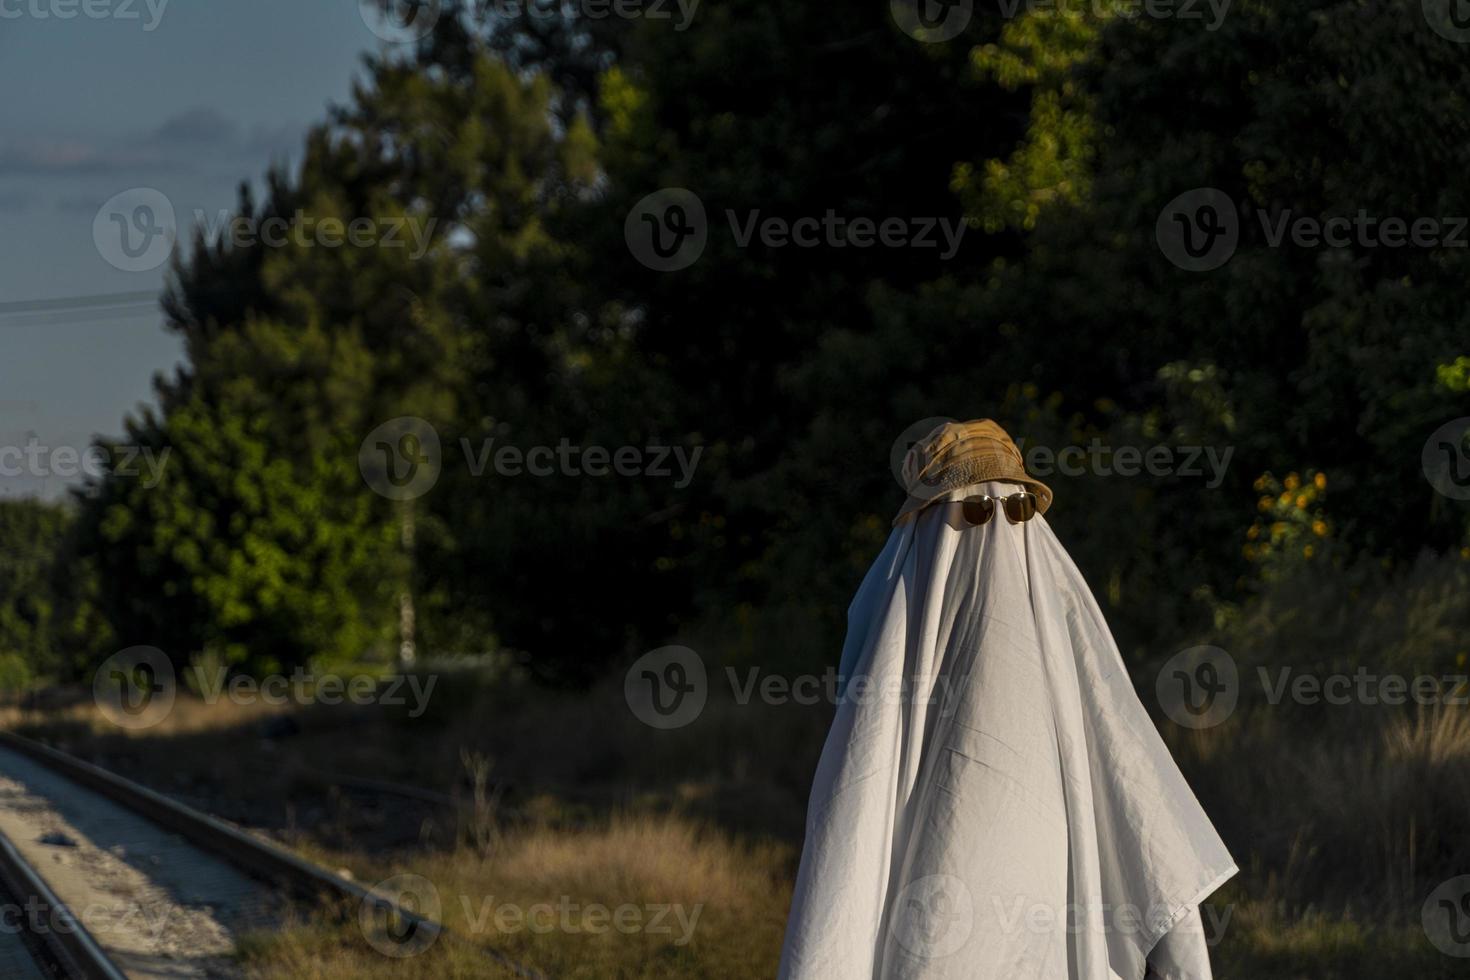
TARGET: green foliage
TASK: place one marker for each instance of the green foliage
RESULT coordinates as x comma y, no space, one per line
1454,376
256,542
1057,135
1038,53
32,533
48,625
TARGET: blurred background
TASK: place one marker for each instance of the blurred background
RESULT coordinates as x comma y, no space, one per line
504,345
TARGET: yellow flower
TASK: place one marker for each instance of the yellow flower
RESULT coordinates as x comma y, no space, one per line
1285,498
1292,481
1264,504
1307,551
1255,532
1321,481
1319,528
1278,528
1249,552
1301,502
1260,484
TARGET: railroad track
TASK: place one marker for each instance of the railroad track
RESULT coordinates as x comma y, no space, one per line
143,886
41,940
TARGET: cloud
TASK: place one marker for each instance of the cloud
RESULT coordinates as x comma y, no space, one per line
197,125
80,204
44,156
71,158
198,139
274,141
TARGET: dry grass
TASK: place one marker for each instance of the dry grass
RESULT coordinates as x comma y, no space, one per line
1356,809
725,905
330,949
1343,818
1264,941
73,712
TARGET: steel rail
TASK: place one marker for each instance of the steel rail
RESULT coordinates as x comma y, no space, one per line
65,938
256,857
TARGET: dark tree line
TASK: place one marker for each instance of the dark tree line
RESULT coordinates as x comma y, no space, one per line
520,145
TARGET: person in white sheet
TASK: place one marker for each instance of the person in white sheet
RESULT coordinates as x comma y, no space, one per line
993,801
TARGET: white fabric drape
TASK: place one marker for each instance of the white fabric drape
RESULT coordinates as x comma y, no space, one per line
993,802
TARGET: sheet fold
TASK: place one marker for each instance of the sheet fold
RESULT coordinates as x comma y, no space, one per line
993,800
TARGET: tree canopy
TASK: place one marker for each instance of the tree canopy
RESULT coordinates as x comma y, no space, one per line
1054,140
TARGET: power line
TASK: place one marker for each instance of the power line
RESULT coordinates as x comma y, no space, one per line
79,309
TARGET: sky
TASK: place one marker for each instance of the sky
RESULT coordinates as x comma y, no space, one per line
114,111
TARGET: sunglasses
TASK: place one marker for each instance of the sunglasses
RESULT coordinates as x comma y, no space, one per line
1019,507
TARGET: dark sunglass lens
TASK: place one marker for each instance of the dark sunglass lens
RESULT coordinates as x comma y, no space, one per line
1021,506
978,510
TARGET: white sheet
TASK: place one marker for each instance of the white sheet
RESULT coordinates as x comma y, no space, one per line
992,800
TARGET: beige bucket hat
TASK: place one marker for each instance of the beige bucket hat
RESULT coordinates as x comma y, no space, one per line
961,454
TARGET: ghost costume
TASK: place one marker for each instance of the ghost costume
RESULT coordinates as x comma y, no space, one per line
993,801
